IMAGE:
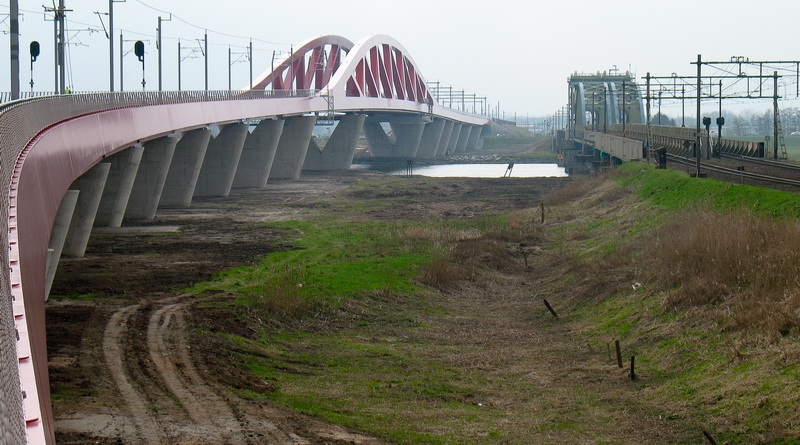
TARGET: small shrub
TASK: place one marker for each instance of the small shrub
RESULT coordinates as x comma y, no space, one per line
522,226
280,295
444,271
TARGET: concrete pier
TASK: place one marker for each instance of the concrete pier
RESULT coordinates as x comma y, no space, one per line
151,177
124,166
58,235
463,138
184,169
90,185
454,136
292,147
474,138
407,138
221,161
258,154
338,152
429,143
380,144
444,142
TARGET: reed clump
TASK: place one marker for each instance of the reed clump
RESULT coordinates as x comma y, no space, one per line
749,267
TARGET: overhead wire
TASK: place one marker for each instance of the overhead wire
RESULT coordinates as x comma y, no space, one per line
94,27
175,16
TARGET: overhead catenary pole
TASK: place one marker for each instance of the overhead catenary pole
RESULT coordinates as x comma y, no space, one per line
250,58
56,88
291,67
121,71
62,72
775,116
720,120
59,13
647,107
205,53
14,49
158,46
683,106
111,45
698,133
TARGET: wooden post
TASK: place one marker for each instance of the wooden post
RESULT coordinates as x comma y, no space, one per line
542,206
710,439
633,372
550,308
619,353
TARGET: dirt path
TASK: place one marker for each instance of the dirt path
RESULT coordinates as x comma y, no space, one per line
168,350
123,366
116,330
207,417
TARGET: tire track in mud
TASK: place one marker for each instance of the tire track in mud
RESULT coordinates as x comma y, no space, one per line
211,419
168,349
117,327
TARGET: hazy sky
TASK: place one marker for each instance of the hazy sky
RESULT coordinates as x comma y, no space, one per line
518,53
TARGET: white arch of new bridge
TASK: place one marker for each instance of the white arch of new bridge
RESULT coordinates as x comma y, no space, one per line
46,144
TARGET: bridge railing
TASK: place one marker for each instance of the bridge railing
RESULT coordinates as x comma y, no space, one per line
673,138
5,96
165,96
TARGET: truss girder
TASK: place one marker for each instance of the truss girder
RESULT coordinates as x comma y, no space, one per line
580,107
386,72
376,67
310,66
379,67
609,99
613,99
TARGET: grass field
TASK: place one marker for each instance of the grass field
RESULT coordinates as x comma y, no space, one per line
385,324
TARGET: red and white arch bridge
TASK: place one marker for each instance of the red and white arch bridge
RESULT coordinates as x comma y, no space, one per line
73,162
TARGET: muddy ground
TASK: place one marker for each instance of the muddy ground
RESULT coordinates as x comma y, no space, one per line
125,366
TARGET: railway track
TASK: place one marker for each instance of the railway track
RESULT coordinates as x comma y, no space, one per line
742,173
765,162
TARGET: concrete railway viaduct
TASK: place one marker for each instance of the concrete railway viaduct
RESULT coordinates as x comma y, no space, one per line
72,162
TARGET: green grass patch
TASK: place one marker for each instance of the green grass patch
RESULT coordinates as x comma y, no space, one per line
76,296
385,387
330,260
675,190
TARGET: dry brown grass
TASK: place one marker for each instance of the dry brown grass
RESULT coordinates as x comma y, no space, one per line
750,267
281,296
464,252
439,235
445,271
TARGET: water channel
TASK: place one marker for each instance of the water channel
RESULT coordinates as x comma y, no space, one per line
473,170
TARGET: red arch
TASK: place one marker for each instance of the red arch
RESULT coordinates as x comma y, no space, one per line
308,67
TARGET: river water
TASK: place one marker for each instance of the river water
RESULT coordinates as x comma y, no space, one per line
477,170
